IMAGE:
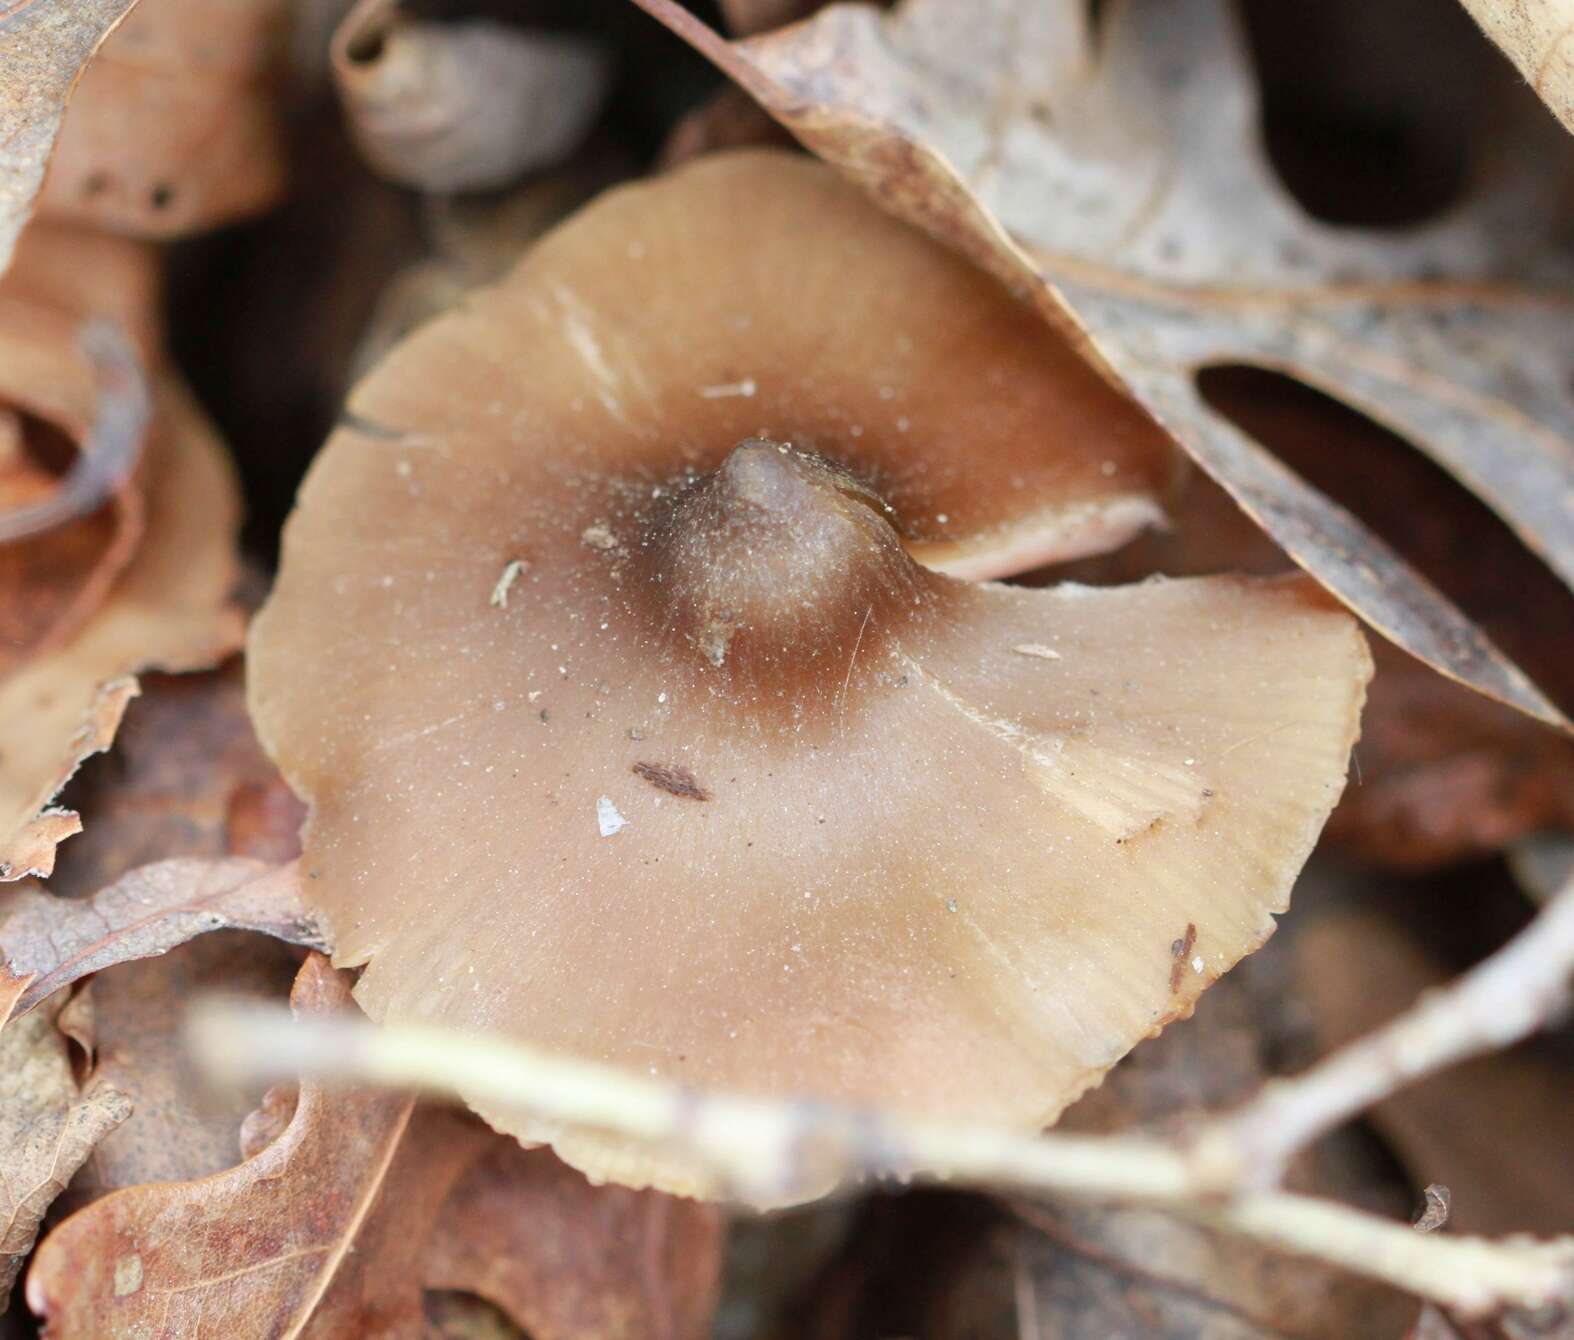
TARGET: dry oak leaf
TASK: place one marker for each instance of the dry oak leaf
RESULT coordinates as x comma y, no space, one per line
43,46
169,610
1538,36
47,1125
129,1020
328,1231
248,1252
1124,187
176,124
55,941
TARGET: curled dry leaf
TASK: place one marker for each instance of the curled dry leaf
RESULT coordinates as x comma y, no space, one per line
69,383
1124,187
465,105
169,610
1538,36
252,1251
44,45
176,123
89,273
1494,1130
47,1125
55,941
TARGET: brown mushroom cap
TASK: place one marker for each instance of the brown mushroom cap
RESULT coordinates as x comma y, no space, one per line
640,736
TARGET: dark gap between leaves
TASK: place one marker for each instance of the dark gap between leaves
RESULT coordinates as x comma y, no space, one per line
1367,110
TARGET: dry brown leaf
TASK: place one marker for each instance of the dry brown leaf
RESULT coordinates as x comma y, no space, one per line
1447,775
176,124
376,1290
187,778
169,610
1124,187
1493,1130
56,941
248,1252
47,1126
43,46
334,1227
179,1128
1538,36
570,1261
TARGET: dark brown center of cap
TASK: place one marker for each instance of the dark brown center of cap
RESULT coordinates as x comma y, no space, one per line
774,561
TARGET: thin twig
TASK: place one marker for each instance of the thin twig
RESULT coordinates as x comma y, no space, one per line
1503,999
766,1151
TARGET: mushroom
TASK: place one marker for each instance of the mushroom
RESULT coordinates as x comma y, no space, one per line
633,726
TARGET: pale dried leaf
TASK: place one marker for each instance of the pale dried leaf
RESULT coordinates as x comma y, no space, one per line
47,1127
249,1252
43,46
1538,36
56,941
170,610
1125,188
176,124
